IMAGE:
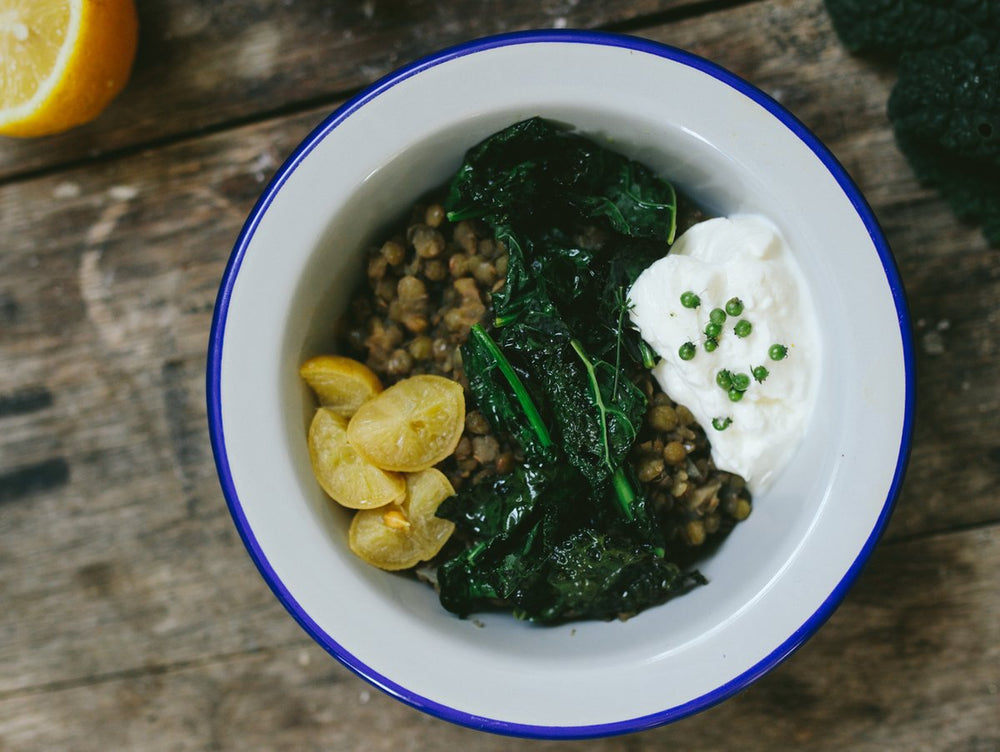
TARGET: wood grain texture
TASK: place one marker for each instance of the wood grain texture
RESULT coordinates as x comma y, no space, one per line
910,661
133,619
202,65
122,566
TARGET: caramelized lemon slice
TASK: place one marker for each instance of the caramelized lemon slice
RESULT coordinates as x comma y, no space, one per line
400,536
349,479
342,384
412,425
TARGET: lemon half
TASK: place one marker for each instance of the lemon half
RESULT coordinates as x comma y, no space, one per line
62,61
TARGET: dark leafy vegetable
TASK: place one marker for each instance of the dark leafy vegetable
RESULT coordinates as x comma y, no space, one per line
502,396
945,110
541,175
606,576
542,562
945,105
569,534
594,410
890,27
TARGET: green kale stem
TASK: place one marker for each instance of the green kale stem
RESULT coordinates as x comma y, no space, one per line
595,391
473,553
534,418
624,305
624,492
619,481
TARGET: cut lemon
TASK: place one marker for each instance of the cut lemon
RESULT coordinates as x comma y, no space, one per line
412,425
342,384
400,536
62,61
349,480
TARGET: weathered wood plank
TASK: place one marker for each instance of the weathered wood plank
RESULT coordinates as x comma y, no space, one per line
910,661
110,277
201,64
117,557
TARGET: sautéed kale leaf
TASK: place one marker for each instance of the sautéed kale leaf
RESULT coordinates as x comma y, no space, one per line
546,555
568,534
595,413
502,396
540,175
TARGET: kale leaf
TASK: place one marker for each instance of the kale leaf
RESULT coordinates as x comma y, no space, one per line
568,534
889,27
511,520
603,576
548,556
945,105
502,396
634,201
542,175
499,506
595,411
945,110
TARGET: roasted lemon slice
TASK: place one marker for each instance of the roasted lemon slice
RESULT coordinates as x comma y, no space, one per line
349,479
400,536
342,384
412,425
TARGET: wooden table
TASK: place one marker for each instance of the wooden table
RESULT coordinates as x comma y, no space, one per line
131,616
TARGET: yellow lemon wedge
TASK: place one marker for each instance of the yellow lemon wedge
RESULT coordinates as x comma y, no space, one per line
346,477
400,536
339,383
410,426
62,61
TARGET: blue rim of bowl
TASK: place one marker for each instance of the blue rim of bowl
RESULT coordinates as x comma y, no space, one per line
216,343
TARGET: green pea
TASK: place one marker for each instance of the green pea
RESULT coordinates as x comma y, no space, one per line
734,306
760,373
724,379
721,424
717,316
711,344
735,395
690,300
687,351
777,352
713,330
743,328
741,382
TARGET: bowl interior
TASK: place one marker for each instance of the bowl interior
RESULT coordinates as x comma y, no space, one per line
774,579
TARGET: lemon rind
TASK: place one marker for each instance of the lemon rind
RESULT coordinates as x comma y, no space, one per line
27,109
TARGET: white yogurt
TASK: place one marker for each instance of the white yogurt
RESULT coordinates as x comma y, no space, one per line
744,257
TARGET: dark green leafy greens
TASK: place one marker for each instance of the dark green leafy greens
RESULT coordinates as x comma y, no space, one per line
543,177
889,27
569,534
945,105
945,110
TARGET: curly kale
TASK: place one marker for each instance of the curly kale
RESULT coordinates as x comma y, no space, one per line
570,533
889,27
945,105
945,109
547,555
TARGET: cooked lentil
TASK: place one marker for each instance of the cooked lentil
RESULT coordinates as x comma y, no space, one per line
429,282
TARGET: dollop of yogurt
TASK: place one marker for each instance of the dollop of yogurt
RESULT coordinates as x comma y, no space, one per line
746,258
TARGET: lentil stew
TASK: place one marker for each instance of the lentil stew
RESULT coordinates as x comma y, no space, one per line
427,284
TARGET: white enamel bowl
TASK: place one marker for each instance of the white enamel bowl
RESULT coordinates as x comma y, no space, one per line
780,574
